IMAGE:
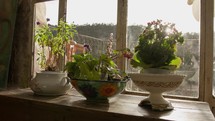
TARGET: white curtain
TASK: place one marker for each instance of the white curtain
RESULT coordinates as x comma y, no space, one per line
195,8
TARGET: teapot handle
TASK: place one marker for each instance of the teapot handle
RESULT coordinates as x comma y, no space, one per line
65,81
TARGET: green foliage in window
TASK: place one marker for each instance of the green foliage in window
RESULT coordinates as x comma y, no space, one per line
86,66
157,47
54,40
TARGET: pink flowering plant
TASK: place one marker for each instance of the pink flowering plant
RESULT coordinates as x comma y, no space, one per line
87,67
157,47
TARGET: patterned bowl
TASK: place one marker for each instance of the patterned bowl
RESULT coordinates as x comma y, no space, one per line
99,91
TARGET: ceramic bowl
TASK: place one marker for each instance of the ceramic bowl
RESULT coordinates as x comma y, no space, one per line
156,84
50,83
101,91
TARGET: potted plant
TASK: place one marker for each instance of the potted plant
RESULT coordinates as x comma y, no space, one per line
155,56
157,47
52,40
98,78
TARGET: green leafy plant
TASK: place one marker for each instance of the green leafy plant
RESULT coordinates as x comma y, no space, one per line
157,46
86,66
53,39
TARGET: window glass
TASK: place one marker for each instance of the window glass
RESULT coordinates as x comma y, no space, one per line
44,11
185,16
95,20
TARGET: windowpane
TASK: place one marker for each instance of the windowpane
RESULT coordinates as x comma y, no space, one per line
185,16
44,10
95,20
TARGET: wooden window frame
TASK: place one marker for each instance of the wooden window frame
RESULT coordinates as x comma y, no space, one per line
206,43
206,53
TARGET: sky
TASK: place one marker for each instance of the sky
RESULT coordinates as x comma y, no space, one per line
140,12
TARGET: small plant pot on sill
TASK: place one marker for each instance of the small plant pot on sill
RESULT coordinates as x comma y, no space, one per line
99,91
49,83
156,85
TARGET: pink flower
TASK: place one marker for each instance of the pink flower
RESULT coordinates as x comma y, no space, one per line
87,47
128,54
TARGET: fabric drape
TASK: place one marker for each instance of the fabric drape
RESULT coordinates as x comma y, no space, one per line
16,23
8,10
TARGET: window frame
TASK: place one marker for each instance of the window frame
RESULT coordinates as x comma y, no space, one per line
206,52
202,49
206,45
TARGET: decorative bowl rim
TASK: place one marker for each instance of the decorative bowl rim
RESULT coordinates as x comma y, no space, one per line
158,75
109,81
51,72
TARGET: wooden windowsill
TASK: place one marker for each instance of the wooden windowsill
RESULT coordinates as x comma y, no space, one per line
23,105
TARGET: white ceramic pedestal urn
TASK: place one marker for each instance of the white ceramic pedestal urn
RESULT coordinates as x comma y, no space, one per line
156,84
50,83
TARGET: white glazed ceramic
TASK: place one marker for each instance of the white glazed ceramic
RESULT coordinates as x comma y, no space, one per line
156,71
156,84
50,83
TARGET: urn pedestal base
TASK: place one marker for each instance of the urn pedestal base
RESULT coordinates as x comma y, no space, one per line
159,107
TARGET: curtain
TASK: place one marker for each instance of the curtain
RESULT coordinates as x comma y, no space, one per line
8,10
16,23
21,55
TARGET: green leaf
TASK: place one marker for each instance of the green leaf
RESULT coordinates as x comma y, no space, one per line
176,62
